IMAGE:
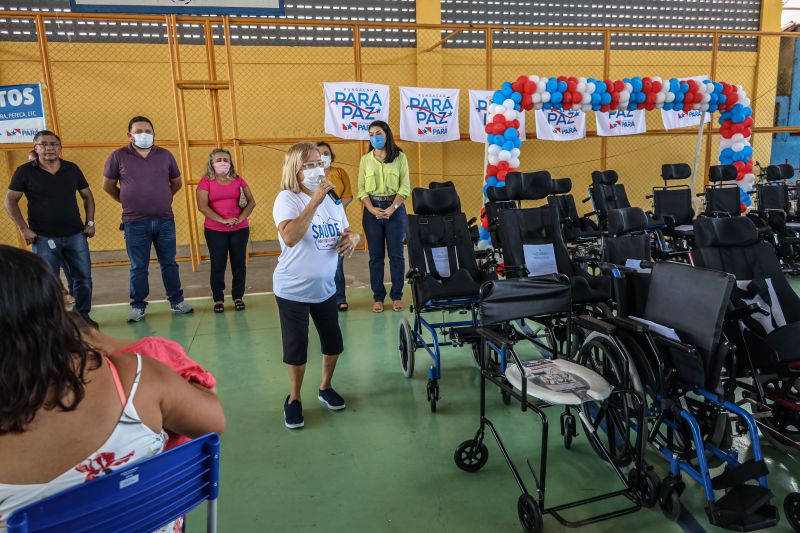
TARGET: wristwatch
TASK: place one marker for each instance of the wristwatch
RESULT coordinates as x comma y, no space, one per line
90,223
396,206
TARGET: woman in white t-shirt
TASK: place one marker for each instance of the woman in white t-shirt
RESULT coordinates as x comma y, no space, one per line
312,231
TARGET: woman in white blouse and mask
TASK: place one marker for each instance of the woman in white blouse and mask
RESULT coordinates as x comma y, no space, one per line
312,231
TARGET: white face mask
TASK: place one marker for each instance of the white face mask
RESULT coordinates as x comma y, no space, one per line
326,160
143,140
312,177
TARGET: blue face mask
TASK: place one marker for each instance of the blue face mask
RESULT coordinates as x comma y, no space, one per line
378,141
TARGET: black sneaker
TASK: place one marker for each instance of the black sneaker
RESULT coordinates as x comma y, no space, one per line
331,399
293,414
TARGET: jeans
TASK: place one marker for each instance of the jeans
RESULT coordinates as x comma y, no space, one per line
341,297
222,244
140,235
382,235
73,253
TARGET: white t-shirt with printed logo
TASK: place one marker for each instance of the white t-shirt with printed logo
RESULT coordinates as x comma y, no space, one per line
305,271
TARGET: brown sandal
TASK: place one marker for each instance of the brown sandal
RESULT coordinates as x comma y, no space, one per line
377,307
397,306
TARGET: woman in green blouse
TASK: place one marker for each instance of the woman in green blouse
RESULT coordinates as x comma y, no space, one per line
383,185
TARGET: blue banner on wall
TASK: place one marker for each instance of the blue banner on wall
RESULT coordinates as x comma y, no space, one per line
21,113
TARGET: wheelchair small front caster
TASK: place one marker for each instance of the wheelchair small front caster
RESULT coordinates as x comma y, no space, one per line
471,455
646,484
670,496
433,394
568,428
791,508
530,516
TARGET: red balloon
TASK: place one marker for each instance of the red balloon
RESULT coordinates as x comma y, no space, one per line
650,106
571,85
656,87
613,105
737,128
687,107
499,129
688,98
501,174
692,85
747,132
484,219
572,79
605,108
567,98
530,87
743,207
576,97
527,102
502,165
619,86
517,86
523,79
732,99
515,123
489,128
748,122
499,118
650,98
739,165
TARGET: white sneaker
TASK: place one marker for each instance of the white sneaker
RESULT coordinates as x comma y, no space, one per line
183,308
136,314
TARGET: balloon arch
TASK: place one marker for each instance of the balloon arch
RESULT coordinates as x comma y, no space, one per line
589,94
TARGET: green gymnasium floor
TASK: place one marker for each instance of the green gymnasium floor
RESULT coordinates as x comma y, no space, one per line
386,462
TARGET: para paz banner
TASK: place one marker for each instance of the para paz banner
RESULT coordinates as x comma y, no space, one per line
560,125
621,122
21,113
429,115
350,107
478,104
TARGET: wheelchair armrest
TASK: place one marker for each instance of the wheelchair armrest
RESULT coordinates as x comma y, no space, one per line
669,221
742,312
628,324
670,343
494,337
415,274
594,324
483,254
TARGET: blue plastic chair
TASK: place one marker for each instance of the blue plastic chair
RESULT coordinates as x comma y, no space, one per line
139,498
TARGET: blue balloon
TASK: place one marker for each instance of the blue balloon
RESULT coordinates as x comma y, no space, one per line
500,184
684,87
605,99
511,134
747,112
596,98
552,85
626,80
737,117
633,107
600,87
484,234
668,106
591,80
674,85
562,86
490,139
637,84
717,87
516,97
712,108
485,188
517,142
556,98
737,108
640,98
679,97
727,152
508,146
492,181
595,107
548,105
498,97
506,89
517,107
712,99
722,98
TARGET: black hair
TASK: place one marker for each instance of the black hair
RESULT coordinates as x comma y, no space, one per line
140,118
43,133
320,144
392,150
43,360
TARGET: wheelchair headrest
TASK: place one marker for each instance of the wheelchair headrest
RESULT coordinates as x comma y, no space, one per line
438,201
440,184
719,173
626,220
497,194
721,232
675,171
605,177
780,172
561,186
528,185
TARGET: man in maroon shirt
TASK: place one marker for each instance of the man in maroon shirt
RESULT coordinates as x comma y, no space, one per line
144,178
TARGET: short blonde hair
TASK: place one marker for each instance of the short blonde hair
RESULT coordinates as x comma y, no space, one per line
293,162
210,172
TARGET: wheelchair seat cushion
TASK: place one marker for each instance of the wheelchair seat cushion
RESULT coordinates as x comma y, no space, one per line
725,232
589,289
559,382
626,220
459,284
783,341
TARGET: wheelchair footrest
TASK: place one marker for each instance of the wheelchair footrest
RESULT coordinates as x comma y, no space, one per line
744,508
745,472
465,335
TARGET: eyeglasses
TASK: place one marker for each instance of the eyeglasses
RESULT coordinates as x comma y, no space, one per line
313,164
49,145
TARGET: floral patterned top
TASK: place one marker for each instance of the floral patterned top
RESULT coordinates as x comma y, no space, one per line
130,441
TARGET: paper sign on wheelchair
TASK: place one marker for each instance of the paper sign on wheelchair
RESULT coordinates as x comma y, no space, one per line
550,376
664,331
441,261
540,259
636,265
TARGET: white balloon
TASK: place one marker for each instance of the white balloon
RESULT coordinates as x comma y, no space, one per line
725,143
541,86
660,97
514,163
737,147
494,149
702,107
586,98
659,105
624,97
670,97
629,88
510,114
508,103
538,105
745,102
491,109
545,97
705,98
504,155
737,137
537,99
590,87
534,78
581,87
586,108
493,159
657,78
484,245
515,153
581,79
747,180
499,110
696,106
576,107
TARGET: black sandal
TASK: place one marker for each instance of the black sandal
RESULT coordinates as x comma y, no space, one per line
239,305
219,308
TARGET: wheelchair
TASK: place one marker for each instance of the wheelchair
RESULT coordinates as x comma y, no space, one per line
680,352
553,382
673,205
581,233
444,276
772,195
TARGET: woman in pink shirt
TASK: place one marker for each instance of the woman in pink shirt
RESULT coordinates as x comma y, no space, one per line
226,226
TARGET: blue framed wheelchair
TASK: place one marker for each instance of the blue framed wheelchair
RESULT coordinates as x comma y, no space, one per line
444,277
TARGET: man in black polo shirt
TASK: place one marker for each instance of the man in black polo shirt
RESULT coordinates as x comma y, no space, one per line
54,226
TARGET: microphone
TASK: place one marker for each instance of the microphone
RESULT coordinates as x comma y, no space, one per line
335,197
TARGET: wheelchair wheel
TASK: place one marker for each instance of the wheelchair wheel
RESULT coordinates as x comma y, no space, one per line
791,508
568,430
670,497
647,485
784,421
406,348
530,516
433,394
470,455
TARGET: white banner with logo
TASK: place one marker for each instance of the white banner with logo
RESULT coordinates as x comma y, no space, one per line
621,122
478,104
560,125
683,119
429,115
350,107
21,113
